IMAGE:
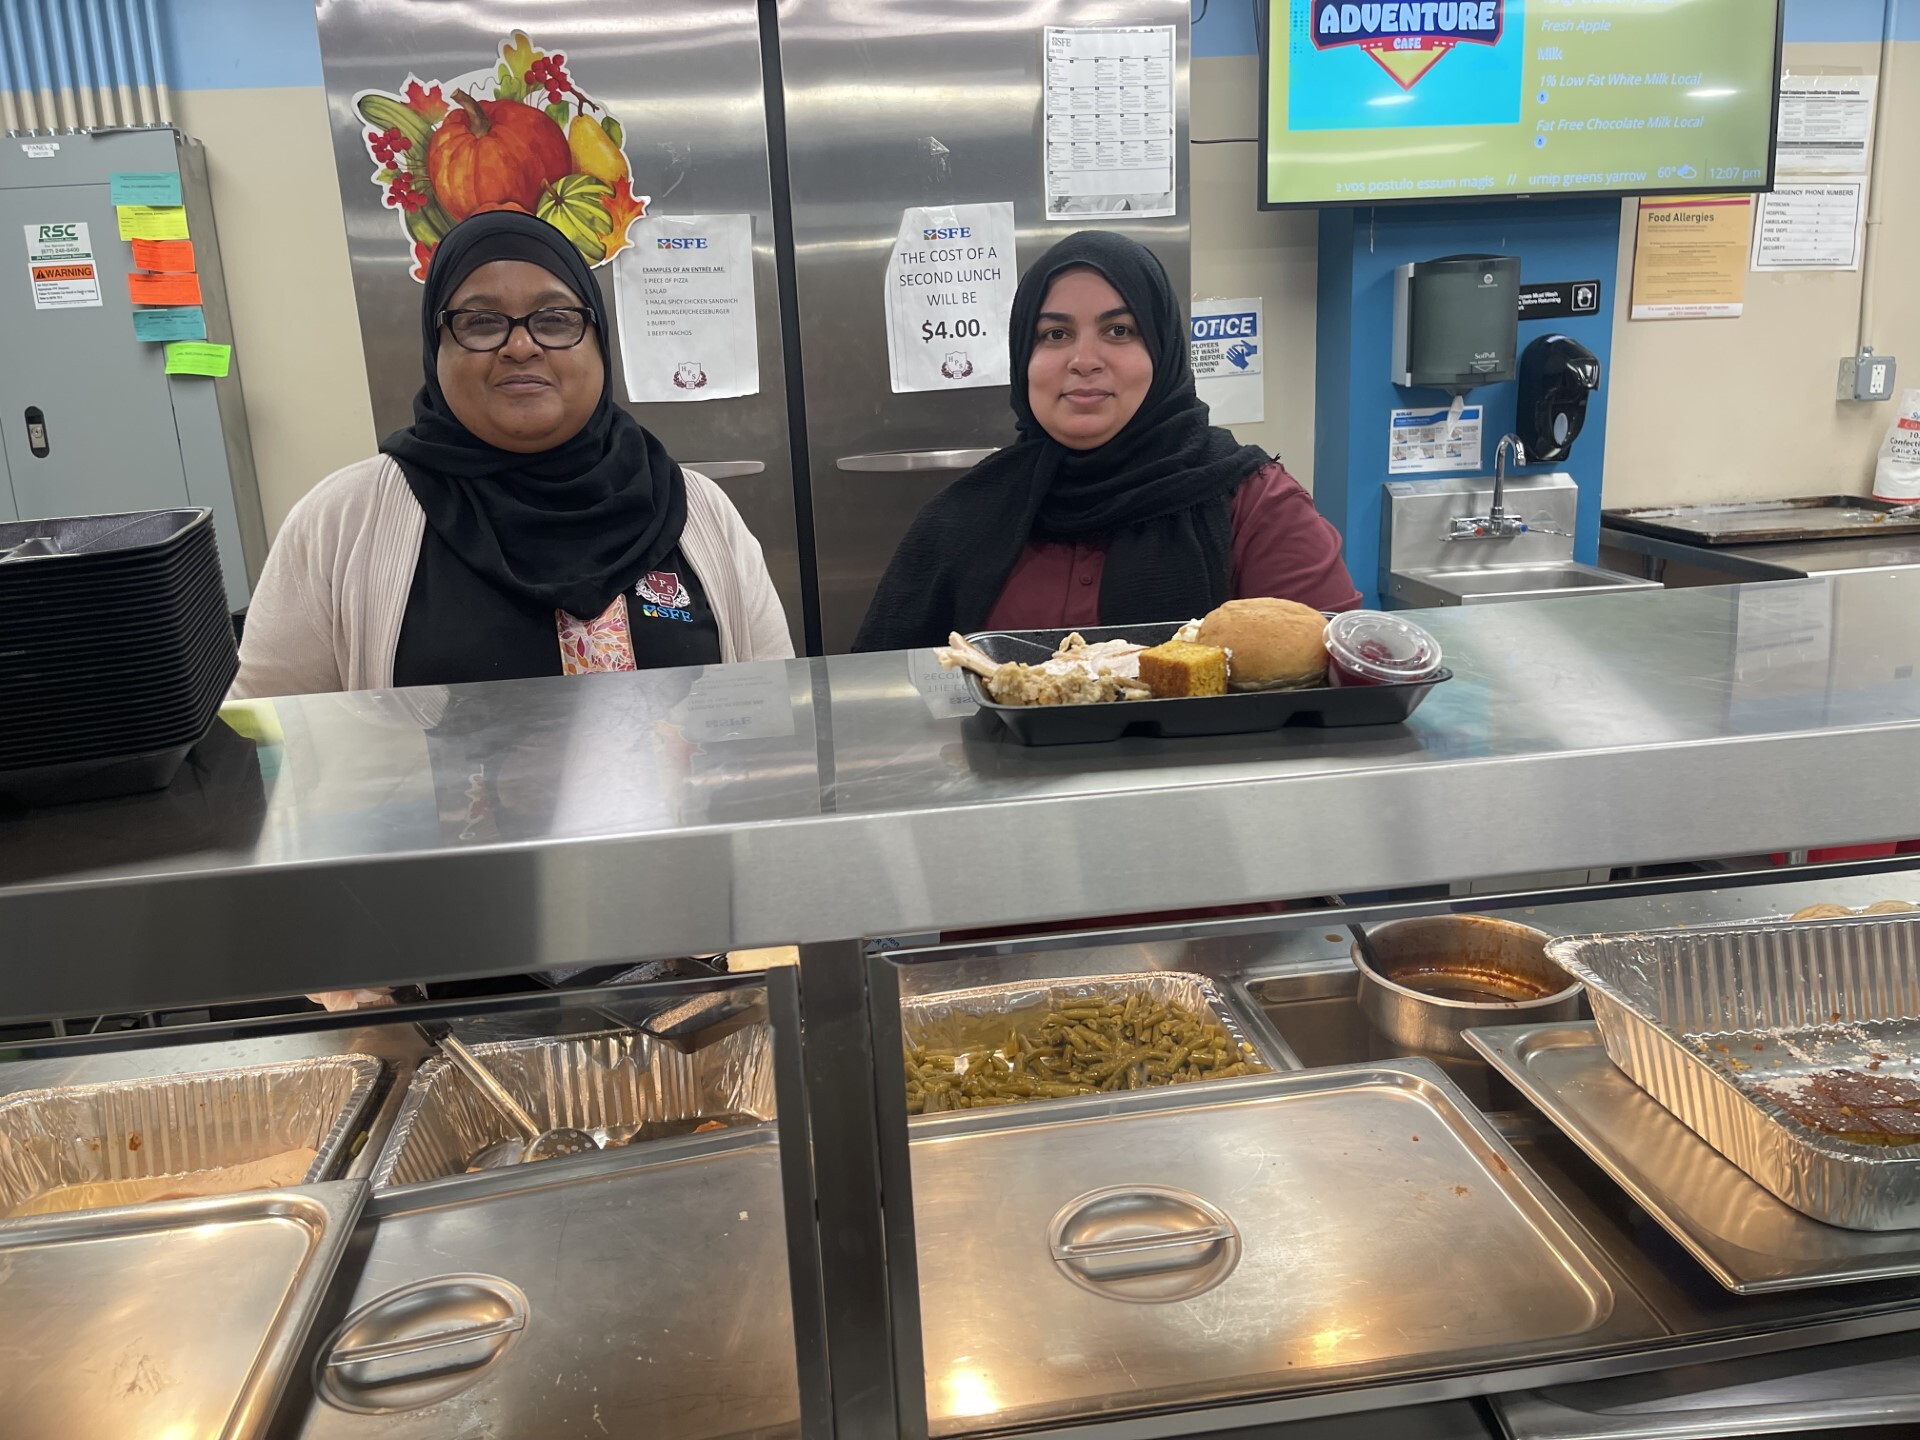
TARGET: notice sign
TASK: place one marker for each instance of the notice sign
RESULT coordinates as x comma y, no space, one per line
1559,300
1690,258
684,295
61,264
1226,343
950,290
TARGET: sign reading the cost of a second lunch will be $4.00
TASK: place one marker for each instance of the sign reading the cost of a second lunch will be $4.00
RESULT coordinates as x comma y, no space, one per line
950,289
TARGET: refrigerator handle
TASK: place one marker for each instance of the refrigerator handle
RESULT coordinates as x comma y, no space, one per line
725,469
902,460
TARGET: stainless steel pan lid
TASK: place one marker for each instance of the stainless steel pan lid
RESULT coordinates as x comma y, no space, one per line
1286,1232
182,1318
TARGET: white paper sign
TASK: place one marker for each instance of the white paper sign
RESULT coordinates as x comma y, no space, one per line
61,267
1429,442
684,295
40,149
950,289
1227,340
1826,124
1810,225
944,691
1107,137
737,702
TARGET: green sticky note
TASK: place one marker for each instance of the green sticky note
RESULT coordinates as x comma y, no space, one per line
198,357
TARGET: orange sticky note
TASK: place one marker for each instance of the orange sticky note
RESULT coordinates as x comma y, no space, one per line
173,255
164,289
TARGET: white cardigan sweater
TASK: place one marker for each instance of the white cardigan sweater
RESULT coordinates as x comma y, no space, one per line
326,614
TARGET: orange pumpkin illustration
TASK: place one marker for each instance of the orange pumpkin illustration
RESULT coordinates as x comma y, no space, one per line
490,153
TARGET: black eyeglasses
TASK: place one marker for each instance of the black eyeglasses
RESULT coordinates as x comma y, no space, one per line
555,327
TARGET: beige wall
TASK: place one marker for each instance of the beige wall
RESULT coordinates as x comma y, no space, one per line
1723,409
284,245
1240,250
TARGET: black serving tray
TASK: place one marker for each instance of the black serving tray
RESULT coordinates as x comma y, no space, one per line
1230,714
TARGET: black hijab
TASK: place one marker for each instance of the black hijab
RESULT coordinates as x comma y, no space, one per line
1161,491
569,527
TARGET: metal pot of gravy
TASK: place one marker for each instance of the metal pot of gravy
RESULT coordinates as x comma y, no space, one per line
1436,976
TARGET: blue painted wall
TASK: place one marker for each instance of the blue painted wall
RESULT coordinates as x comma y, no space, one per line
1359,250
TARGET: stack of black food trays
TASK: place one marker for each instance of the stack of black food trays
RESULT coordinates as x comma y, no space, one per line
116,650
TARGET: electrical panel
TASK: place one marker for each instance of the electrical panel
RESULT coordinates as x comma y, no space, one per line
90,422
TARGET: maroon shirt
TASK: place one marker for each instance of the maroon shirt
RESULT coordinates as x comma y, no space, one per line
1282,547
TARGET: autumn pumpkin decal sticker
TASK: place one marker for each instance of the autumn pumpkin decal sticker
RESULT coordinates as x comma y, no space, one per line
521,136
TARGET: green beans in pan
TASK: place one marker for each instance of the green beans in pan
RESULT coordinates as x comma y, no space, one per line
1080,1047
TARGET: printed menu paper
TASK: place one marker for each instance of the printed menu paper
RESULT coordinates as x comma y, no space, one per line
1226,343
1434,442
950,285
683,293
1811,225
1108,138
1826,125
61,266
1690,257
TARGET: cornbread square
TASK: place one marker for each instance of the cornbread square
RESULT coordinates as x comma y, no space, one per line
1181,667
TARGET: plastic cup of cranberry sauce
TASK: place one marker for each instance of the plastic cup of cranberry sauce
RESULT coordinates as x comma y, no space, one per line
1365,647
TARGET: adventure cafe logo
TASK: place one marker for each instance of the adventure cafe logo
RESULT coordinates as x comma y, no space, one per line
1408,39
518,136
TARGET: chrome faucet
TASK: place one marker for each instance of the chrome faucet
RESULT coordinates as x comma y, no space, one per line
1496,524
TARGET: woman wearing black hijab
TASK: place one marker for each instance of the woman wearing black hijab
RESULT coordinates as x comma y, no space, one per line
523,524
1118,503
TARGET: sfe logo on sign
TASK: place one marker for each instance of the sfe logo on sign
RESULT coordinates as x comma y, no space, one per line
60,232
1408,37
948,232
676,242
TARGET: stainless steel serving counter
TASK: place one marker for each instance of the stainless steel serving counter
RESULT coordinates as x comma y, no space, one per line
435,834
429,834
1775,560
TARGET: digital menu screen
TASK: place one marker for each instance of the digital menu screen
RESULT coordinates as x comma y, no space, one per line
1445,99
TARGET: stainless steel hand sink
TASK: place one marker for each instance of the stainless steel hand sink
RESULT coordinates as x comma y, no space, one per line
1486,584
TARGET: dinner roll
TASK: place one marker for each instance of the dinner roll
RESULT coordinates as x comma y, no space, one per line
1822,912
1274,644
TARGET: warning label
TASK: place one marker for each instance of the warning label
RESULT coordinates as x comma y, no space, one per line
61,266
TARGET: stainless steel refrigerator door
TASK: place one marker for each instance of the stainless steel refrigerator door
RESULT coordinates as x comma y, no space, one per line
684,79
889,104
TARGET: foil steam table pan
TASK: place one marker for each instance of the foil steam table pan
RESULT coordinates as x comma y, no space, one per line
981,1018
1708,1020
613,1078
130,1130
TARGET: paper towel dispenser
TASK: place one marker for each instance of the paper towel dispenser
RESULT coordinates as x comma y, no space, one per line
1456,321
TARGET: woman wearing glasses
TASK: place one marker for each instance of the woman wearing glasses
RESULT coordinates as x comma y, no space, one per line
523,524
